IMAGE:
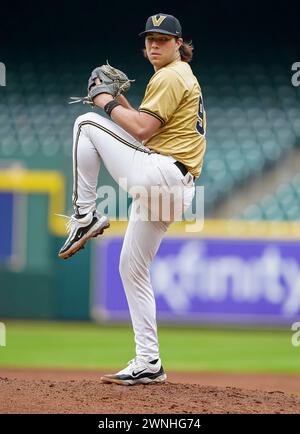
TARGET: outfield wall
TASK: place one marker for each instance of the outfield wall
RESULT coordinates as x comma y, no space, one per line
209,281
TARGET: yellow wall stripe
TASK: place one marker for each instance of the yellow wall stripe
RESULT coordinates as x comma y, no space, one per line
39,181
236,229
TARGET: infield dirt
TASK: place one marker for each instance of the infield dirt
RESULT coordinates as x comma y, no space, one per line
41,391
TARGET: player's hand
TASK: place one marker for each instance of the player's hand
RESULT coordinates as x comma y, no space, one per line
103,98
107,80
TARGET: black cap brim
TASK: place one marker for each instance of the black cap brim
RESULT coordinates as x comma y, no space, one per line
164,32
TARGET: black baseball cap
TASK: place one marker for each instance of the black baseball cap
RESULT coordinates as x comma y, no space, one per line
163,23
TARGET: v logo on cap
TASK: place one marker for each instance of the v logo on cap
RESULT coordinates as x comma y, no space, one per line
157,22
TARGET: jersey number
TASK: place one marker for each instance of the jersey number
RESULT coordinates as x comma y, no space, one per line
199,124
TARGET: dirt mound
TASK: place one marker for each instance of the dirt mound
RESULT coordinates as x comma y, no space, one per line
90,396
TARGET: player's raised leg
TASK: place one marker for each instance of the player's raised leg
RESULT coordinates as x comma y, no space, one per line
95,140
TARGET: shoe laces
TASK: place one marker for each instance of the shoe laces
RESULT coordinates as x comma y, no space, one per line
136,363
71,221
131,362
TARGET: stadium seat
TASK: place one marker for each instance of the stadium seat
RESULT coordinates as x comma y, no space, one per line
253,118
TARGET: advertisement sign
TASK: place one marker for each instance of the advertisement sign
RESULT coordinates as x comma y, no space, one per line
12,229
208,281
6,226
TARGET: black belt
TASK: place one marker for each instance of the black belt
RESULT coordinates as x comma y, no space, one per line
182,168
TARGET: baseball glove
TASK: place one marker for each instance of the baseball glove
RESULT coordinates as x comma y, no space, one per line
112,81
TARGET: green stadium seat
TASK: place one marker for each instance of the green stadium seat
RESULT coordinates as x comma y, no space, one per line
253,118
284,204
9,146
252,212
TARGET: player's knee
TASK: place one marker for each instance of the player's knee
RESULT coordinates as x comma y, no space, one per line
128,268
132,268
87,117
83,118
124,265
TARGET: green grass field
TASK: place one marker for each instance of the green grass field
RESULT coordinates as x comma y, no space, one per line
90,346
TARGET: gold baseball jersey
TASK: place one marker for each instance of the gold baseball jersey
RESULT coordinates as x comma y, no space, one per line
173,96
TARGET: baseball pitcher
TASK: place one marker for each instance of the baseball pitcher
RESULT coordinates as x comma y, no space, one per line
161,144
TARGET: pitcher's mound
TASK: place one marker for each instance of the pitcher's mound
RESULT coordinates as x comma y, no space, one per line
90,396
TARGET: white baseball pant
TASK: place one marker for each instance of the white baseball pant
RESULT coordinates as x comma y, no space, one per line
98,139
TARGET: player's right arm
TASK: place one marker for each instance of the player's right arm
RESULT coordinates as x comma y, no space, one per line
161,99
142,126
124,102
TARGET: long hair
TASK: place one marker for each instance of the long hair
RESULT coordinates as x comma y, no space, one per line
185,50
